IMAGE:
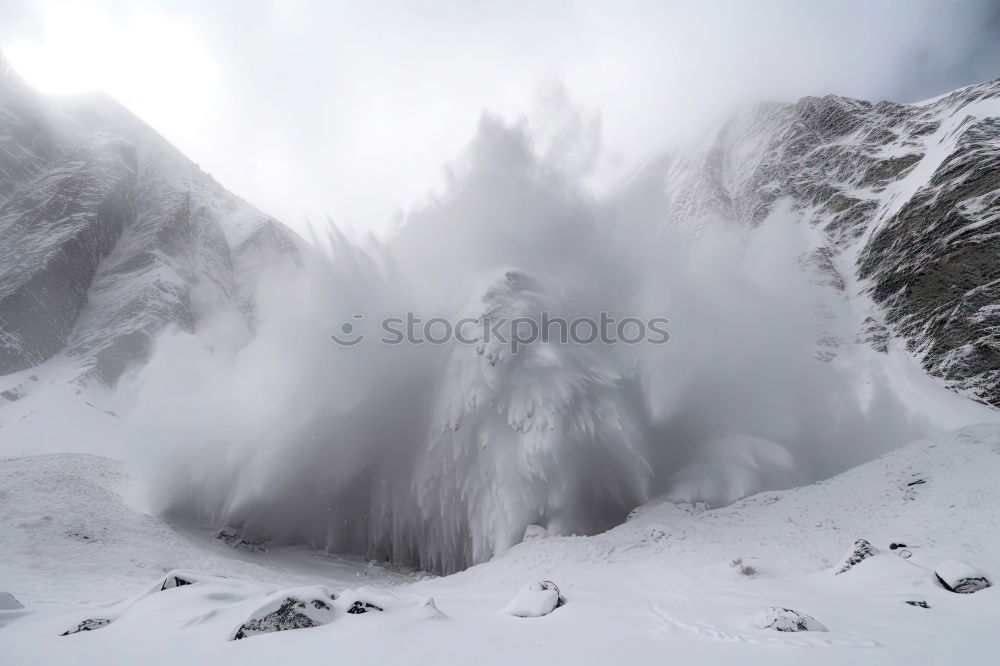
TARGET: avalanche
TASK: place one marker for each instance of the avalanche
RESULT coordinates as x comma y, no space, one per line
442,455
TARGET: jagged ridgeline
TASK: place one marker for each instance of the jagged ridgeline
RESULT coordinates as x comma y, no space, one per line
907,194
106,230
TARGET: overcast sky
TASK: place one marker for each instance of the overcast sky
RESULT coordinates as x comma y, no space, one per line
352,108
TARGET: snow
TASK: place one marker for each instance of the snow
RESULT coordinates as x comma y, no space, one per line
87,575
8,602
534,600
53,412
660,584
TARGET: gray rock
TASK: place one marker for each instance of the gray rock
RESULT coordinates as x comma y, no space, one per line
180,578
786,619
291,613
87,625
861,551
960,578
361,607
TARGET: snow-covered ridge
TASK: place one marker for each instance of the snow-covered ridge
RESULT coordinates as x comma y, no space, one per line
908,198
107,231
675,579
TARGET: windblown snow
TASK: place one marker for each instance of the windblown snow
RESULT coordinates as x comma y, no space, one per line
441,455
201,472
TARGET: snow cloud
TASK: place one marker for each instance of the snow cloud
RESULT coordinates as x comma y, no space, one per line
442,455
351,108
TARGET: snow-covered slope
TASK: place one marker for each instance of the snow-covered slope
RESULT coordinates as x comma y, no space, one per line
662,586
108,234
907,195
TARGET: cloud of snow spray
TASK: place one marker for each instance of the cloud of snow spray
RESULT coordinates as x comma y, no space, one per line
442,455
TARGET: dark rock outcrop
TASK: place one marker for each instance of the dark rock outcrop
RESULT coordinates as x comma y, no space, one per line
291,613
106,231
87,625
361,607
911,192
960,578
861,551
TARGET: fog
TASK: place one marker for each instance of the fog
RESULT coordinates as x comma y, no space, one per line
308,107
485,161
442,455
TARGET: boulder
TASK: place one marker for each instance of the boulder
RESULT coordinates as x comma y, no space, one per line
535,600
235,537
287,613
88,625
861,551
960,578
359,607
786,619
180,578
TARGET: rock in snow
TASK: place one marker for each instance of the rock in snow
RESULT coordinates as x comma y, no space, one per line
786,619
88,625
286,613
862,551
178,578
535,600
359,607
959,577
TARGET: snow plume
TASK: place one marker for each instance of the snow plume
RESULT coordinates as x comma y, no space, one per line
441,455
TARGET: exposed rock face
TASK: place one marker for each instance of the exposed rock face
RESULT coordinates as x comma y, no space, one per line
107,232
908,198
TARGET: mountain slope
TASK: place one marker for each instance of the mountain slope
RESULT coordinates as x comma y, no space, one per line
662,583
108,234
907,195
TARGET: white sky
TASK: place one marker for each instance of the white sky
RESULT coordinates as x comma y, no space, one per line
351,109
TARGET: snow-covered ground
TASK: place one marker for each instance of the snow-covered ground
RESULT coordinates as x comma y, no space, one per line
44,410
660,588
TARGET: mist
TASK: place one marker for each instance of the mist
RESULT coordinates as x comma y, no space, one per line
350,109
441,455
